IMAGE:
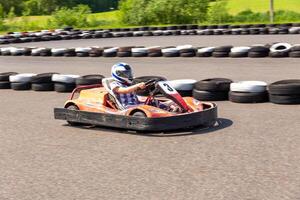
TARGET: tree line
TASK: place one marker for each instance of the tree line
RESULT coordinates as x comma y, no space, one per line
46,7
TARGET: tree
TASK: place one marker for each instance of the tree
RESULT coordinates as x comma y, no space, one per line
142,12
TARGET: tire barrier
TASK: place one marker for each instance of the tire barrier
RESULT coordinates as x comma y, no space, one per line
74,34
276,50
213,89
248,92
285,92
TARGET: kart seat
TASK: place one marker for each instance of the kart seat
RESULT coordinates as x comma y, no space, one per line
111,95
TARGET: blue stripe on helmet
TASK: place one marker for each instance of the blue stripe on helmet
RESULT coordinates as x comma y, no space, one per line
117,78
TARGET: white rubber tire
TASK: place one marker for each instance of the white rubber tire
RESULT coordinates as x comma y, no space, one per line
37,50
21,78
182,84
64,78
170,50
111,50
139,50
206,50
188,46
249,86
58,50
83,49
240,49
287,47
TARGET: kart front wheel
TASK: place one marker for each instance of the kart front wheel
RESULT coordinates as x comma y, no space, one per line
139,114
73,107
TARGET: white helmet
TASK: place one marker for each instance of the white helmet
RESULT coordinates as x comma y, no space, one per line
122,73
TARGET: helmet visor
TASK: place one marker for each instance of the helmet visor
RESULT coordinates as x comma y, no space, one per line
125,74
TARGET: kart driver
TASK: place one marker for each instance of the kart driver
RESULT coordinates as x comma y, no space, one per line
126,92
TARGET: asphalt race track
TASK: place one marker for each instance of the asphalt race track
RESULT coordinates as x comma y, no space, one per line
253,153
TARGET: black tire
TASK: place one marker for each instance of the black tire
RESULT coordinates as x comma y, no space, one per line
285,87
285,99
64,87
20,86
124,54
175,54
82,54
279,54
223,49
214,85
155,54
248,97
5,76
73,107
253,54
204,54
4,85
210,96
190,54
139,54
294,54
185,93
109,54
139,114
43,78
219,54
259,49
42,86
70,54
238,54
89,79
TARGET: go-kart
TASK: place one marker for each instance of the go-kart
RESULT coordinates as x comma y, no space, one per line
98,105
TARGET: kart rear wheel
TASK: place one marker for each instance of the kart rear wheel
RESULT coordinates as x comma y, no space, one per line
73,107
139,114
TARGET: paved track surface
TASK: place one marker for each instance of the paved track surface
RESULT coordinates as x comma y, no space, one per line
169,40
254,152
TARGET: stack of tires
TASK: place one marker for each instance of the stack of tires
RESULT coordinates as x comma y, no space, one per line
64,82
205,51
95,52
238,52
4,80
70,52
91,79
222,51
214,89
258,51
110,52
21,81
124,51
170,52
295,51
186,51
82,52
183,86
280,50
285,92
42,82
248,92
154,51
139,52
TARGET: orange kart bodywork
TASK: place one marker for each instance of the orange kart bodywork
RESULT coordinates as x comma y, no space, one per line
97,100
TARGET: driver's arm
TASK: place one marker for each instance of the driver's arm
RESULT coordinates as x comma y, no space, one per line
133,88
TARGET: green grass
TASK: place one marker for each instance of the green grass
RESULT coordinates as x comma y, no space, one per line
236,6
